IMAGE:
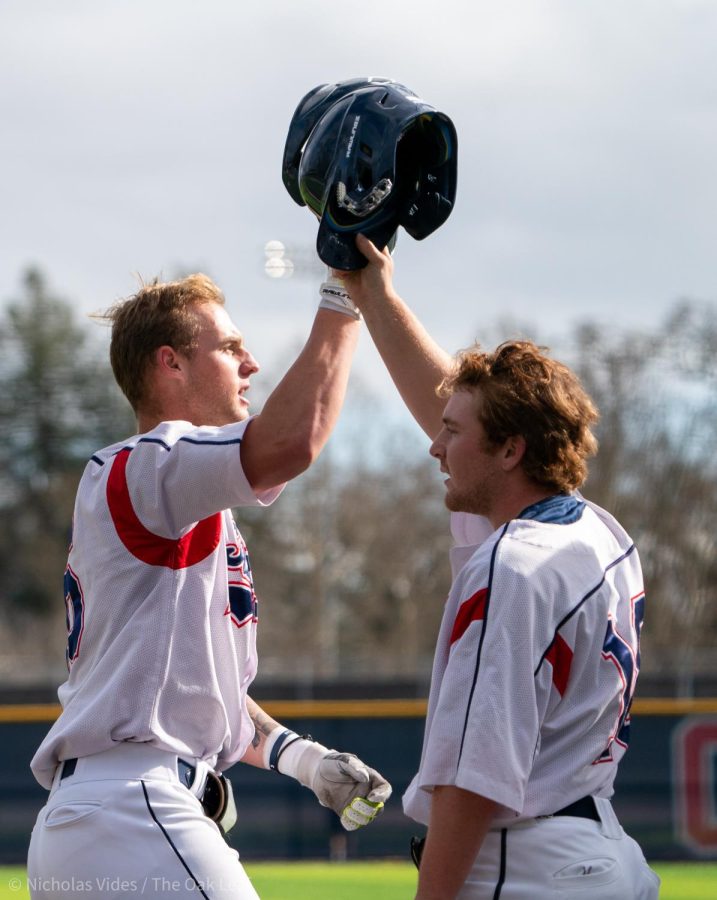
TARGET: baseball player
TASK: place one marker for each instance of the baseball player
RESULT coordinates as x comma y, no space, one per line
162,611
538,651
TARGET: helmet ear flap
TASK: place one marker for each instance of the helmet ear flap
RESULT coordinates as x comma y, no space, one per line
423,217
426,166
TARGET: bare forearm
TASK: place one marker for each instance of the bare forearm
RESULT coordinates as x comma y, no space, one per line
459,823
263,726
414,360
299,415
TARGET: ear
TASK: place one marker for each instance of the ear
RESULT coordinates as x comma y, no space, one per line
168,361
512,452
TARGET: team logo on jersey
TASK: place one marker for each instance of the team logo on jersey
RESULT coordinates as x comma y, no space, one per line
242,605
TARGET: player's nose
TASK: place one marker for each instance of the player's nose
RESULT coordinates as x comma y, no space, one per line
437,449
248,365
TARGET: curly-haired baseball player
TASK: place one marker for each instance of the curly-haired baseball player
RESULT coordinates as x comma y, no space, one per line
162,613
538,651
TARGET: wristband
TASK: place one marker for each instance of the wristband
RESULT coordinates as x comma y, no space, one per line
335,296
280,743
275,741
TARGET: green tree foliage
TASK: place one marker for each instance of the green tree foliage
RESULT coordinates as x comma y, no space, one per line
58,403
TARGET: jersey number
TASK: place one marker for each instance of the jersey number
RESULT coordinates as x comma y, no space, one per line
620,653
75,615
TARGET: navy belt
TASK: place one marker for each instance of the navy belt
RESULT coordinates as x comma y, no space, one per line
186,773
584,808
68,768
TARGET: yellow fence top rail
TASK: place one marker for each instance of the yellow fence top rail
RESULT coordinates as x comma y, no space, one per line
369,709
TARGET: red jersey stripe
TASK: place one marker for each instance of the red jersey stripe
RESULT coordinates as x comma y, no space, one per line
179,553
560,657
471,610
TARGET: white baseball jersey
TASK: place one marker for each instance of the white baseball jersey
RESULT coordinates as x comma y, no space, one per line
536,664
161,609
468,531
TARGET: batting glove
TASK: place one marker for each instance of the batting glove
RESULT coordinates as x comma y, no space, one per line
341,781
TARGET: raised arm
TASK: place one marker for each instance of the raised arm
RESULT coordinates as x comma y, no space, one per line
414,360
300,413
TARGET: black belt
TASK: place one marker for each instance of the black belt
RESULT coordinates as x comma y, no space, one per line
584,808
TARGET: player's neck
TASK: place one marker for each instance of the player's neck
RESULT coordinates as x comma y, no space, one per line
511,504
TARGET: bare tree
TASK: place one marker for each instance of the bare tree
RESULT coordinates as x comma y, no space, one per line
351,564
657,473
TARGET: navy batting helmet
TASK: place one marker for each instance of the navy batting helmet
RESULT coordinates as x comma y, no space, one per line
367,155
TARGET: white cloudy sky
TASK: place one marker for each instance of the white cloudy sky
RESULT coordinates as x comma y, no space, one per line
147,135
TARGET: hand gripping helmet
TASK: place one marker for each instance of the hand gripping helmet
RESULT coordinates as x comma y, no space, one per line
367,155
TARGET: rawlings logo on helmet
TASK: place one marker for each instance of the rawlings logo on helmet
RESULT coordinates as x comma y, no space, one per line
353,135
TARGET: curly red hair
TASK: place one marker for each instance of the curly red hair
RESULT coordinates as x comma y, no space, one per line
523,391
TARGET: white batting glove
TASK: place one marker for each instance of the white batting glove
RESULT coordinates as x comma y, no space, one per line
341,781
334,296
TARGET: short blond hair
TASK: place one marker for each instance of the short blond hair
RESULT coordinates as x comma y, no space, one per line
159,313
523,391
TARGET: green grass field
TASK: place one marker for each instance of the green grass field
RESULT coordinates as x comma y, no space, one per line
385,881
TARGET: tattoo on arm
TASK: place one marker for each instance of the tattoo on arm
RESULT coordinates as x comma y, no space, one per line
263,725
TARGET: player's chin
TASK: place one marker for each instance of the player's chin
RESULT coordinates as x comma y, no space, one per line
453,501
241,410
456,502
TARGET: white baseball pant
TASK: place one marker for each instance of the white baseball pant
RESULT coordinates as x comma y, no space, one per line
122,825
561,856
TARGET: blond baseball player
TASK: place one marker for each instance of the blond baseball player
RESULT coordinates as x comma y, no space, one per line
538,651
162,612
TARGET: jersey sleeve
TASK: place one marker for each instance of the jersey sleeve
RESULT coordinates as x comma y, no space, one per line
178,475
486,722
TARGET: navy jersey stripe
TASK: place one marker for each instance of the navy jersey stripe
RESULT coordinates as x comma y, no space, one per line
168,447
100,462
482,637
191,440
584,599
